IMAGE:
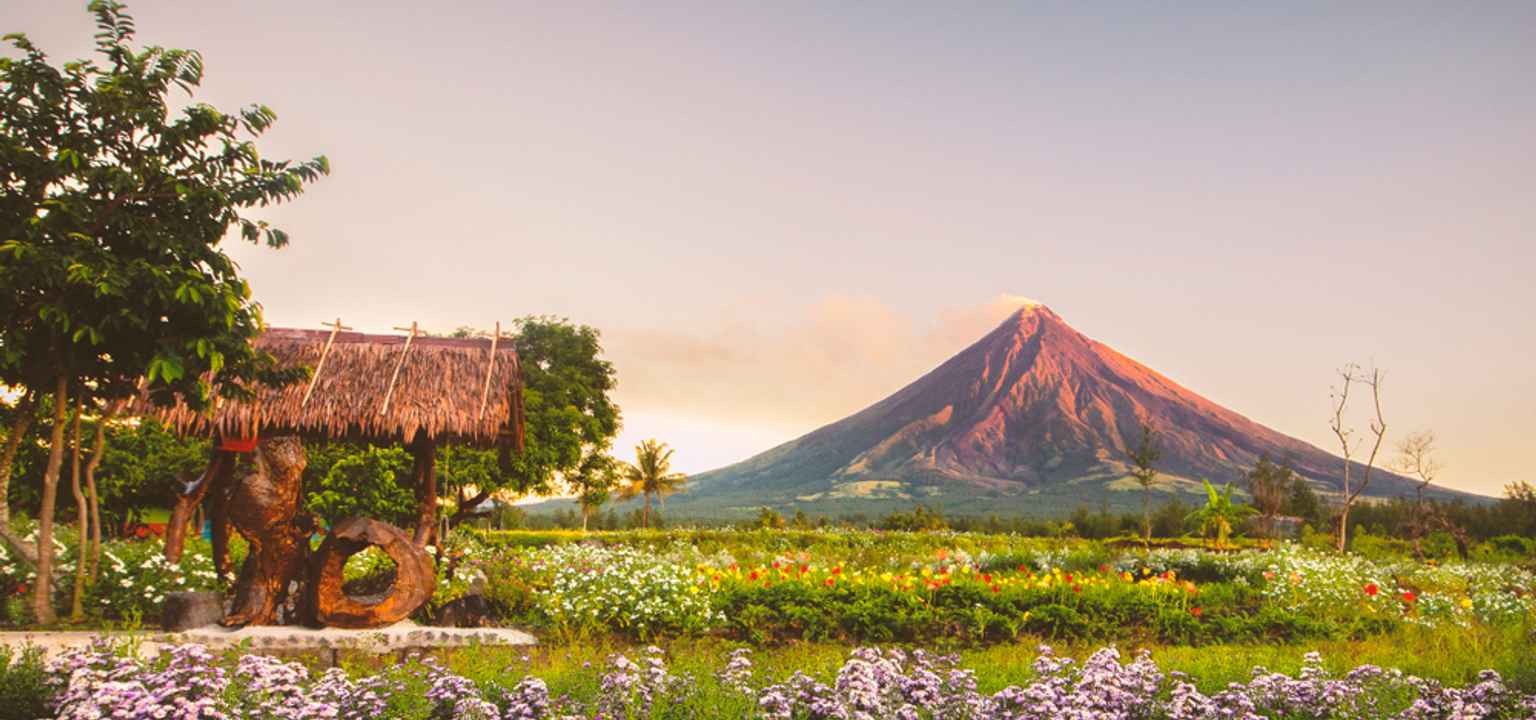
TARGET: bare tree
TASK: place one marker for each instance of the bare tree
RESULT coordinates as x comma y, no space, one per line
1352,375
1416,458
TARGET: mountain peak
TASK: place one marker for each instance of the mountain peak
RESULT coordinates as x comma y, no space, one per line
1034,410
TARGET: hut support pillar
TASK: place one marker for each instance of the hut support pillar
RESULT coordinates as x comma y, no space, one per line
424,450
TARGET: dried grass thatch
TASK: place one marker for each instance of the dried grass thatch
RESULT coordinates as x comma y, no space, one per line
438,392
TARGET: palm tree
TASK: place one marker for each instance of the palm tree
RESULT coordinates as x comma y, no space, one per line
1220,515
650,476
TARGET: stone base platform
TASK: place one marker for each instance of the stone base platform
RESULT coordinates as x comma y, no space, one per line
289,640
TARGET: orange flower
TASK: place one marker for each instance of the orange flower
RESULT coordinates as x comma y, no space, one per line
831,582
1195,611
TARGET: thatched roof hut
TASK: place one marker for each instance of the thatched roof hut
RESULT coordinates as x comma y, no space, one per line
376,388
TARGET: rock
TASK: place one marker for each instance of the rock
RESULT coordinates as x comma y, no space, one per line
468,611
187,610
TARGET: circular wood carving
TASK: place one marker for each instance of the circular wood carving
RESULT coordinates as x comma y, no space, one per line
414,577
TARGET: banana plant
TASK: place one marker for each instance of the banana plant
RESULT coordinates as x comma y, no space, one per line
1220,515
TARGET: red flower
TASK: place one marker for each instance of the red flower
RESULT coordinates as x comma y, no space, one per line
1370,589
1023,567
804,569
1103,567
837,570
775,564
1069,577
753,576
986,578
996,589
1077,588
1195,611
831,582
1409,597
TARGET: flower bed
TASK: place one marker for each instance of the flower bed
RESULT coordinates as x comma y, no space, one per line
871,683
664,585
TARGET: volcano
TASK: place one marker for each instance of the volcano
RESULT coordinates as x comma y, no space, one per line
1033,418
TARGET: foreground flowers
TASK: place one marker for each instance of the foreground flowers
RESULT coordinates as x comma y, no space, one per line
871,685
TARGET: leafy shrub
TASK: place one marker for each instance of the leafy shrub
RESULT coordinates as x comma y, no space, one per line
24,686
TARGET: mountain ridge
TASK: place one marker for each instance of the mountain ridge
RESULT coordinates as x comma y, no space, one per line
1031,409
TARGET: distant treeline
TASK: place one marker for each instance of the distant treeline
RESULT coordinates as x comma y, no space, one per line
1303,510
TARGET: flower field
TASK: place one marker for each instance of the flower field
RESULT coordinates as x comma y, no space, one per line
856,624
917,588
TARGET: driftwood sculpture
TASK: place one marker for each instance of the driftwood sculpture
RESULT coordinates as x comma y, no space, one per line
413,390
280,581
263,506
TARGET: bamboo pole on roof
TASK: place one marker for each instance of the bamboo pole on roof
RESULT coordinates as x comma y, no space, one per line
335,328
490,370
384,409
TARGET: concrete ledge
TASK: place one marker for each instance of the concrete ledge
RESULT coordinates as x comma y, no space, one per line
286,640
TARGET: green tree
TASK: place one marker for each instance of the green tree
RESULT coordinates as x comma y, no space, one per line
112,213
568,414
371,482
770,519
593,482
1269,484
650,476
1304,502
1143,467
1220,516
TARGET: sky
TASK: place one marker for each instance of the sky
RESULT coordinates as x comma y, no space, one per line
779,213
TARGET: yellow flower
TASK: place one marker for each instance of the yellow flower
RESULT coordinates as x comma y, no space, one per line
1466,602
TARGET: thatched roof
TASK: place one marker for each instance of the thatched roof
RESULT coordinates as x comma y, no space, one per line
439,391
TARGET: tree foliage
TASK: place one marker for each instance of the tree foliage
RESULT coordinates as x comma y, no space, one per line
1220,516
113,207
371,482
1269,483
650,476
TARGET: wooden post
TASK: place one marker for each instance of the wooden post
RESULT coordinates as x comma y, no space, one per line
383,409
490,369
335,327
424,451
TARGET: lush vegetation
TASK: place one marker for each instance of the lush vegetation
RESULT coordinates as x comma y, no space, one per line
968,589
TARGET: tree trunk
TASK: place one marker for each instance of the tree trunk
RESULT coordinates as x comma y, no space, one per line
1343,528
425,475
42,600
82,519
645,520
98,447
189,499
1146,517
585,513
26,412
463,513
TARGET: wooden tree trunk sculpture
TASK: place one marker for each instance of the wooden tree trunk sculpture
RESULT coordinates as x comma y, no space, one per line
414,576
280,582
264,507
